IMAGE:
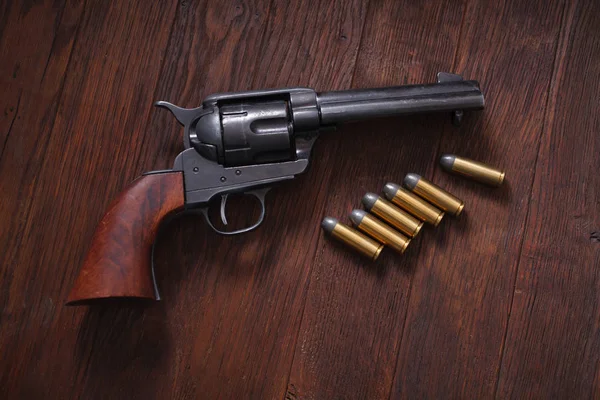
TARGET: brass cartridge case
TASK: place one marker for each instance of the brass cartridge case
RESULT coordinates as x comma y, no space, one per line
413,204
391,214
379,230
473,170
359,242
434,194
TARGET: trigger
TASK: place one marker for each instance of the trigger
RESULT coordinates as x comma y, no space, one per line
223,203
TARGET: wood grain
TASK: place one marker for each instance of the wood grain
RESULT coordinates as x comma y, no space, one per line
501,302
119,263
354,314
33,112
248,292
87,116
553,345
29,33
27,47
460,299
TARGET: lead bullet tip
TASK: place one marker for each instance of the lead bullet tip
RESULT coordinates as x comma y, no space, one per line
369,200
447,161
390,190
411,180
328,224
357,216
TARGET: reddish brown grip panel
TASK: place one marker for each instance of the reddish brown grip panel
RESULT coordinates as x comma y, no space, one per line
118,263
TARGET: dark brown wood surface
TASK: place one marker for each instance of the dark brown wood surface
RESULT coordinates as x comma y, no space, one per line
503,301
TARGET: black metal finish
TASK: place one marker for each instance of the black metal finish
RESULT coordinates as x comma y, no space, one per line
354,105
256,133
243,142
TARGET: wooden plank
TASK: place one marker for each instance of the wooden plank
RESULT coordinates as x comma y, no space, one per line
236,302
32,119
9,110
213,48
233,322
27,37
57,169
30,108
553,343
460,298
354,315
27,34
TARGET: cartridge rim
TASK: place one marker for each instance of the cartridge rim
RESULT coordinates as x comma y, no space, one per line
406,245
460,209
377,252
418,229
439,218
501,178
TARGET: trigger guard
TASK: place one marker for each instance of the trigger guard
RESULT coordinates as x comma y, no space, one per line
260,195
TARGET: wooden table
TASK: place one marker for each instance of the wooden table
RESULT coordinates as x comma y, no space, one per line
501,302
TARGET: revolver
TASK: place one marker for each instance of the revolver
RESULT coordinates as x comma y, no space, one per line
238,143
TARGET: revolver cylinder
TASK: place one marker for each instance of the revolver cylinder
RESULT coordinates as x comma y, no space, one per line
257,132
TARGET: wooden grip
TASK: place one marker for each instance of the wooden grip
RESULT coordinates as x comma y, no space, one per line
118,263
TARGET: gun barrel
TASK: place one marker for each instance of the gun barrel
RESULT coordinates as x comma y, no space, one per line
354,105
